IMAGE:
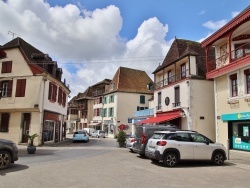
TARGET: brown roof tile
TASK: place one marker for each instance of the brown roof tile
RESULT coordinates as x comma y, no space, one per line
130,80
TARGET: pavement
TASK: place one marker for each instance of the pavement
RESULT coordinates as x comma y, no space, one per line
235,156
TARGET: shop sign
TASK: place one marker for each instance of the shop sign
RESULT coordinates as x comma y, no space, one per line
236,116
51,116
238,143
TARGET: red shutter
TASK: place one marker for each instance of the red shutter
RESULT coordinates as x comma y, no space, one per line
64,99
54,93
6,66
50,91
23,87
9,92
60,96
18,88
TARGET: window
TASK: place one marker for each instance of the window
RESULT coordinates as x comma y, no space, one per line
111,112
6,88
111,99
4,123
142,99
104,100
182,137
104,112
129,120
247,76
60,96
159,101
112,86
170,76
176,96
20,87
234,85
74,111
6,66
52,92
183,71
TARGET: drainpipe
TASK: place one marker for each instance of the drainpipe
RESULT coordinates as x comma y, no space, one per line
42,113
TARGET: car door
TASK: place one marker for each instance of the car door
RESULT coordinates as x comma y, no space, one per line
185,146
202,149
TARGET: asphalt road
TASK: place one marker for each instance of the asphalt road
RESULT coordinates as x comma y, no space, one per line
101,163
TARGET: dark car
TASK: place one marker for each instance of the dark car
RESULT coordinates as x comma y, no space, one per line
144,132
8,153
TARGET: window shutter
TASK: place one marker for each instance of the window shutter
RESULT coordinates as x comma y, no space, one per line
60,96
50,91
138,108
20,87
9,92
54,93
233,77
64,99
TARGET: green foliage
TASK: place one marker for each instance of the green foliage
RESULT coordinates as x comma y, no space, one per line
31,138
121,136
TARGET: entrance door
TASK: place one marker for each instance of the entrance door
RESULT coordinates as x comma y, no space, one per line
25,127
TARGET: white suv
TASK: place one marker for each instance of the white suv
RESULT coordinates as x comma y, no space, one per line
174,146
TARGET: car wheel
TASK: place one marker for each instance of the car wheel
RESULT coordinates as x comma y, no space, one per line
5,159
170,159
155,161
132,150
73,141
97,136
218,158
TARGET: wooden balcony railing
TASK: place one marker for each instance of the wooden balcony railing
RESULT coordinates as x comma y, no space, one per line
234,55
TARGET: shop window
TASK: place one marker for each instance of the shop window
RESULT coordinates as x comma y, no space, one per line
20,87
4,123
6,66
48,131
234,85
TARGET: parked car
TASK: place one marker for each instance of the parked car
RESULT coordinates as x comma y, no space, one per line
129,142
144,132
174,146
98,134
8,153
80,136
89,130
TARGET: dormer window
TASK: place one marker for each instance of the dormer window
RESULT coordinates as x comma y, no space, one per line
112,86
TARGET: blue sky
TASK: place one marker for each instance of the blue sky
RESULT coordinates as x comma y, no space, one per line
91,39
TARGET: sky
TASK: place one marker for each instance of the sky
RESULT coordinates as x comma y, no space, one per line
91,39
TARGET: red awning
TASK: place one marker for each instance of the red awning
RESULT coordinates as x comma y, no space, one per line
167,117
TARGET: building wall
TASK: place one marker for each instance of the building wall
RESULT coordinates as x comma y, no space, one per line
223,99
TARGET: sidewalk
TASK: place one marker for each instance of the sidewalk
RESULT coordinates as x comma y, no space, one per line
240,157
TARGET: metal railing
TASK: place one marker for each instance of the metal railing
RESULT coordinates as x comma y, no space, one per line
172,79
234,55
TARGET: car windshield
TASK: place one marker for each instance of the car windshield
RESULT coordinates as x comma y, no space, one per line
158,136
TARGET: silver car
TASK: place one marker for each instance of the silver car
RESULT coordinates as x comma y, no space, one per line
98,134
130,142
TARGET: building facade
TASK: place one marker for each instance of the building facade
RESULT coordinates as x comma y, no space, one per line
230,71
33,98
182,95
126,94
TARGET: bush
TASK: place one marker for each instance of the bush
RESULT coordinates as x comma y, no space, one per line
121,136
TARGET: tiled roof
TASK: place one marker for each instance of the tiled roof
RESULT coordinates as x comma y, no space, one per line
179,49
130,80
105,81
87,94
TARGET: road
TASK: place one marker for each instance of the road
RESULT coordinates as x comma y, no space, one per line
101,163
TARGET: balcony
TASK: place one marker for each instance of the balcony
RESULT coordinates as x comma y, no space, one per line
158,108
172,79
176,104
144,113
240,53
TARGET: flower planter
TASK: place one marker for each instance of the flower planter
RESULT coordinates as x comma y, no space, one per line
31,149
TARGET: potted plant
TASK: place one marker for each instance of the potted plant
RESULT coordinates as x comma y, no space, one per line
121,138
31,149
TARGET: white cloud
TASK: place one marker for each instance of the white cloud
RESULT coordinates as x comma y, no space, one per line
90,40
215,25
234,14
202,12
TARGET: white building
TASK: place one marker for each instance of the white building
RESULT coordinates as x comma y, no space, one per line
182,95
33,98
126,94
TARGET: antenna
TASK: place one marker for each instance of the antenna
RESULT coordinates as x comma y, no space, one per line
13,34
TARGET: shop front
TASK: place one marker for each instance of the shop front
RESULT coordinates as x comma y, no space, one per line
238,130
51,127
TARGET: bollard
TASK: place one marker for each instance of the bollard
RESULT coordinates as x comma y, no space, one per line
228,142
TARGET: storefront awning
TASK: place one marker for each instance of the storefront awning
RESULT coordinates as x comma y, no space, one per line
94,124
160,119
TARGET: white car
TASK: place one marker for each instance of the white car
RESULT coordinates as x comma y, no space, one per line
174,146
98,134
